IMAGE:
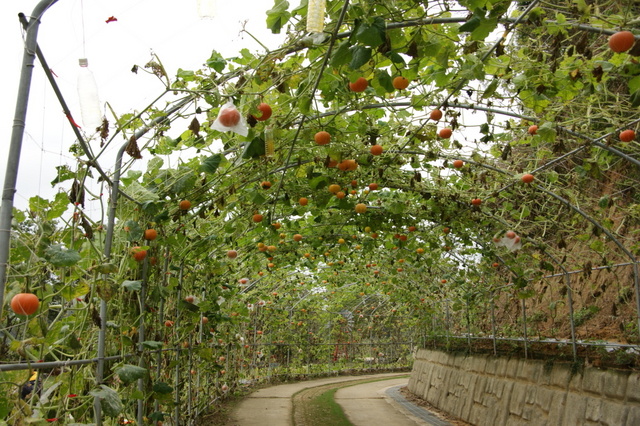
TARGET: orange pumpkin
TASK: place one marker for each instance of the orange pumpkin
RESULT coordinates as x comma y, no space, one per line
25,303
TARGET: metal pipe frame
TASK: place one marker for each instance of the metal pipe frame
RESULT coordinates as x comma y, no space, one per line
17,135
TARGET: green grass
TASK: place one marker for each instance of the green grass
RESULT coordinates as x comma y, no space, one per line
324,410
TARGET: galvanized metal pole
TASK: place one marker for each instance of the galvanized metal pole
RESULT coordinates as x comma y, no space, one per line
15,144
493,324
524,328
142,337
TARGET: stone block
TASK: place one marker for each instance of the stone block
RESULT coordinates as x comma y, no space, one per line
496,414
593,381
575,382
633,415
530,371
517,403
530,412
457,361
464,380
501,367
490,366
615,384
505,388
480,389
574,409
557,409
477,364
513,420
633,388
469,397
530,394
560,376
479,415
490,386
513,366
593,410
615,414
544,397
544,378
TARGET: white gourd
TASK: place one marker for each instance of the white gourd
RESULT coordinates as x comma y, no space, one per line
315,15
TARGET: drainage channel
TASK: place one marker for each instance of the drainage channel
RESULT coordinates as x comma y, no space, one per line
415,410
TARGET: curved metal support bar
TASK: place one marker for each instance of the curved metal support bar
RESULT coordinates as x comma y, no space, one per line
17,134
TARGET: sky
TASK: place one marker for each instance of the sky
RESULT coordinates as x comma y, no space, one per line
173,30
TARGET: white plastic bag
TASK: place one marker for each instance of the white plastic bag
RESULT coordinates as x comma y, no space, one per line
511,241
230,120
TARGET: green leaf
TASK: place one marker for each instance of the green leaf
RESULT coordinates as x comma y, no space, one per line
254,149
319,182
5,407
154,165
185,180
186,75
634,84
395,57
132,175
58,206
491,89
130,373
385,81
480,26
137,394
73,342
162,388
547,131
151,344
258,198
373,34
397,208
341,55
635,99
304,104
57,255
211,164
301,9
64,173
278,16
37,203
360,56
526,294
132,285
71,291
546,266
470,25
603,203
140,193
109,400
216,61
133,229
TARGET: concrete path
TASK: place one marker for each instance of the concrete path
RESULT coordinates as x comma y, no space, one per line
364,404
367,404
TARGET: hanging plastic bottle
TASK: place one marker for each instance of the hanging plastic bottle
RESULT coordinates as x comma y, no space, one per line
315,16
269,143
88,96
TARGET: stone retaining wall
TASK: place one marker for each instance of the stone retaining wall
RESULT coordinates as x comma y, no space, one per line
486,390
